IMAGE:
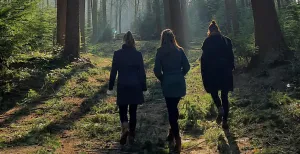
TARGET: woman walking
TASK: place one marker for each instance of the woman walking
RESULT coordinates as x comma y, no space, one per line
171,65
217,64
129,65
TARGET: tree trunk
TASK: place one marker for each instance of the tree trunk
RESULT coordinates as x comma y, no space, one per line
243,3
71,50
157,14
167,13
149,7
185,20
120,16
176,22
94,20
111,13
136,10
268,35
228,17
104,17
61,21
235,18
116,13
89,13
279,3
82,24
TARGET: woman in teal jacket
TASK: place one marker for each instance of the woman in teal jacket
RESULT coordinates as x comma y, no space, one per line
171,65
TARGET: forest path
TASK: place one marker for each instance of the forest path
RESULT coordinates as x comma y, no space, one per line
70,113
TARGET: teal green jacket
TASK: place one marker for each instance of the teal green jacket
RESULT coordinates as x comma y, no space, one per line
171,65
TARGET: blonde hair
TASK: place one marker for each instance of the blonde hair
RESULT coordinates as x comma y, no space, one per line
213,27
168,39
128,39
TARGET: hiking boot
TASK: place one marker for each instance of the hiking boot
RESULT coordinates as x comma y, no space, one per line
124,134
177,148
170,136
131,137
220,115
225,125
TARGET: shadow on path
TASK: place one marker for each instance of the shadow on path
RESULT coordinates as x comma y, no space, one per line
64,123
40,66
49,92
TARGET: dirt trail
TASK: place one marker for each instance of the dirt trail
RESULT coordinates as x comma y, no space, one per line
152,127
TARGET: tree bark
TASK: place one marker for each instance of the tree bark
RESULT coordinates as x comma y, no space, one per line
111,13
95,20
235,18
185,20
136,9
82,24
279,3
243,3
89,13
61,21
104,16
268,36
228,16
149,7
116,13
167,13
157,14
71,50
120,16
176,22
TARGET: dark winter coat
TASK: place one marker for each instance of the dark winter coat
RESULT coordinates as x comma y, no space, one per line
171,65
129,65
217,63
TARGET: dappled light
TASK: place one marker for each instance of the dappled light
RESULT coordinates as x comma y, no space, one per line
149,76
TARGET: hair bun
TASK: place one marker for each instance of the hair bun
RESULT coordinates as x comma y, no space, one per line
213,22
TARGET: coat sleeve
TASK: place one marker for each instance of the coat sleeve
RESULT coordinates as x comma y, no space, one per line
142,73
113,72
158,68
185,64
231,55
203,65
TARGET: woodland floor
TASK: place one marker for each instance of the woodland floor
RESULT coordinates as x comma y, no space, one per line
49,106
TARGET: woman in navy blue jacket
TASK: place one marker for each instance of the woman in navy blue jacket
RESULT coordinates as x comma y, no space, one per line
171,65
128,64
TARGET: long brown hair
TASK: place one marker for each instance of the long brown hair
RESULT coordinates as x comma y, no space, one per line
213,28
168,39
128,39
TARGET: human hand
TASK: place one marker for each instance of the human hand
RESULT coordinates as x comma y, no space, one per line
109,92
146,93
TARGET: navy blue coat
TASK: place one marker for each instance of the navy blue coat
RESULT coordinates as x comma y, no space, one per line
171,65
128,64
217,63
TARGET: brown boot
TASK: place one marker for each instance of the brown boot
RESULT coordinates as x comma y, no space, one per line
225,125
170,136
131,137
124,134
178,145
220,115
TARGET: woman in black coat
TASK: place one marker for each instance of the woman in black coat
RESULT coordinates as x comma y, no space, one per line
129,65
217,64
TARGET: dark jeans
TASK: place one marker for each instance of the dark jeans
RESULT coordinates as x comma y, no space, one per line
172,105
224,103
123,109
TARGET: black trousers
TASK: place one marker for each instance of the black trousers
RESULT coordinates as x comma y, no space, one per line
123,110
224,103
172,105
